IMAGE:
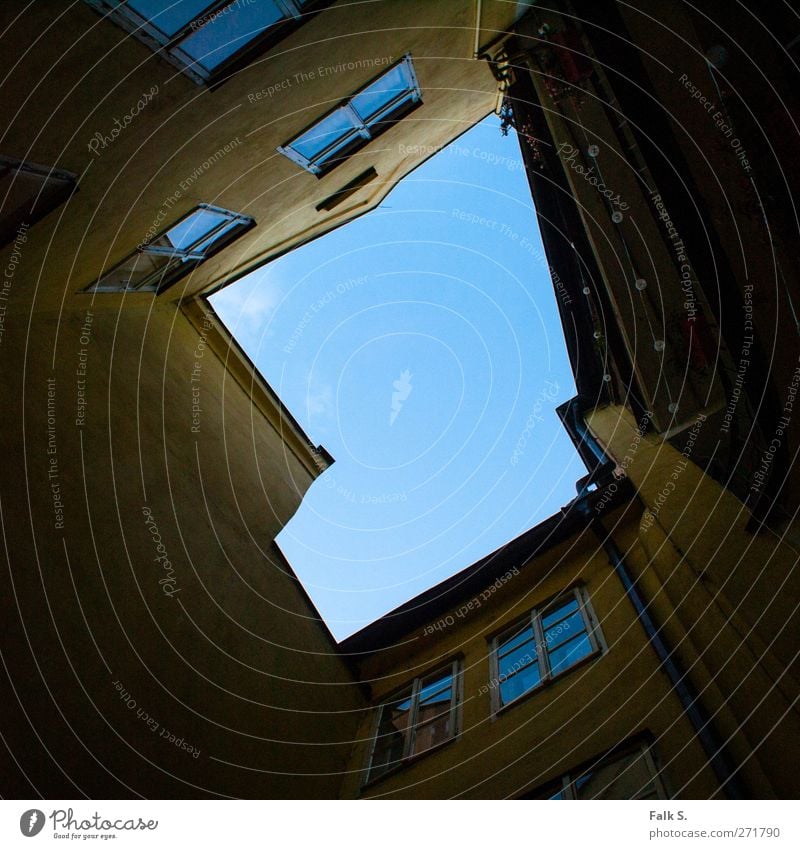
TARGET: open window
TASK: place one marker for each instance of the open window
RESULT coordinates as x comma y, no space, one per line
208,39
416,720
154,266
28,192
354,123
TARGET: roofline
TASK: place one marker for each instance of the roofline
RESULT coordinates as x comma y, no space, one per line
575,516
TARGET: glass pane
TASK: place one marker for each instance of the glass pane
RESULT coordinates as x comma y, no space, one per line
564,656
337,125
436,706
431,687
565,630
626,778
383,91
169,15
388,752
559,613
218,236
513,687
194,227
432,733
133,270
509,643
229,31
516,659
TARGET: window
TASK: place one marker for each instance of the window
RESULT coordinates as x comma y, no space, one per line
357,121
208,39
419,718
159,263
541,647
27,193
630,775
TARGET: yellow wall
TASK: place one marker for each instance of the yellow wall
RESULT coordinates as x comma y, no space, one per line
727,597
576,717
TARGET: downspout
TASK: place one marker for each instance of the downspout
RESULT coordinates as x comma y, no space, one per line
734,786
704,728
477,46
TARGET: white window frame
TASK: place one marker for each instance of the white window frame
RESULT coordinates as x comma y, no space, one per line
362,132
163,278
412,692
534,617
643,748
169,47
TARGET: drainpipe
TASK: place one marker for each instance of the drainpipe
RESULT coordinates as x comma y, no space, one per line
477,46
718,757
571,414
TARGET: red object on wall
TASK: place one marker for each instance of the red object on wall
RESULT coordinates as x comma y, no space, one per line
699,340
575,64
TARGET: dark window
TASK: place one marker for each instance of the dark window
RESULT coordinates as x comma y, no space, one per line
542,646
355,122
207,39
27,193
175,251
419,718
632,774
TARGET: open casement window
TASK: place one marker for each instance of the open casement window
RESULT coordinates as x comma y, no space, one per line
27,193
175,251
208,39
632,774
545,644
419,718
358,120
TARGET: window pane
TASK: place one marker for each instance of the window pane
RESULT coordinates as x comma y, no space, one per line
230,31
194,227
134,270
337,125
381,93
565,630
218,236
559,613
432,733
509,643
564,656
431,686
516,659
513,687
169,15
626,778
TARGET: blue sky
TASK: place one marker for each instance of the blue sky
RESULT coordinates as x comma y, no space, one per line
421,345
